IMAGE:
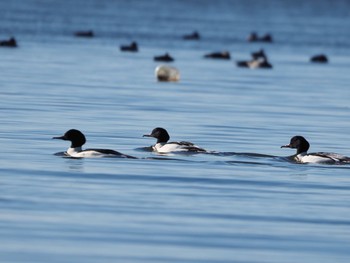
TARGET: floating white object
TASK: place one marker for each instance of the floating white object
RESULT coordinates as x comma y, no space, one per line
167,73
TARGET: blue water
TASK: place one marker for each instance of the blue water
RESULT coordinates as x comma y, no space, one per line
198,208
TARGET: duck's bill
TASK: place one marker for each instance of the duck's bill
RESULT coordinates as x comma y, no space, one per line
286,146
59,138
147,135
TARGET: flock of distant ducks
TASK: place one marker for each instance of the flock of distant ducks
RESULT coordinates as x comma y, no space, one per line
258,59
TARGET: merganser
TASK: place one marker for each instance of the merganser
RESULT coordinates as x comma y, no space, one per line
164,58
78,139
253,37
133,47
194,36
255,63
219,55
301,156
259,60
163,146
319,58
259,54
9,43
88,33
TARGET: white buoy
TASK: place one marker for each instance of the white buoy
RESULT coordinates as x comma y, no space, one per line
167,73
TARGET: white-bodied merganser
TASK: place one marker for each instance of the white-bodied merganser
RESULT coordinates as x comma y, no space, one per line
163,146
259,60
78,139
301,156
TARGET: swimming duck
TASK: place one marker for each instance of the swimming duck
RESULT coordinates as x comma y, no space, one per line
301,156
88,33
253,37
319,58
164,58
219,55
193,36
255,63
259,54
78,139
163,146
259,60
9,43
133,47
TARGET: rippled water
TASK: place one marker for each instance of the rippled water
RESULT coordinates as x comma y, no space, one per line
247,204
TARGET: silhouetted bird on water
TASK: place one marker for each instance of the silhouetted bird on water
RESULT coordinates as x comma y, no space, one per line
9,43
164,58
89,33
258,54
219,55
319,58
133,47
194,36
253,37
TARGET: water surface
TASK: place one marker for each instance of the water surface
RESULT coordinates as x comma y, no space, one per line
229,207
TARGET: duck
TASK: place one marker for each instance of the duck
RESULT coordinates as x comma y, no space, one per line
77,139
259,54
321,58
255,63
253,37
133,47
302,156
260,63
163,146
219,55
194,36
88,33
164,58
259,60
266,38
9,43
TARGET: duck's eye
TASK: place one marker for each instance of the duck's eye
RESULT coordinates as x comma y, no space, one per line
294,142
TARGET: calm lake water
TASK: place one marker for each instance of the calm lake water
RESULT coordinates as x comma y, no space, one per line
230,207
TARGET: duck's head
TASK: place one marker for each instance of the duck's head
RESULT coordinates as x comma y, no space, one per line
76,137
160,134
299,143
259,54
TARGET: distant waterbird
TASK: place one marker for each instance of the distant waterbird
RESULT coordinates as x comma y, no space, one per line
167,73
164,58
133,47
